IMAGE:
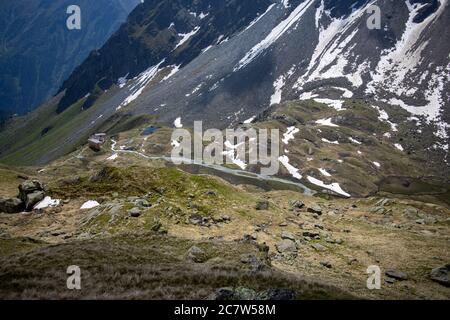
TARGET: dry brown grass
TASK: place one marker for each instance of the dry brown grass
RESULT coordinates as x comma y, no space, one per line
143,267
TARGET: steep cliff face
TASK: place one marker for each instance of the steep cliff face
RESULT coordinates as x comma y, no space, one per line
38,52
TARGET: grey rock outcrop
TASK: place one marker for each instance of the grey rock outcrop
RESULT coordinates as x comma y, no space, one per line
13,205
441,275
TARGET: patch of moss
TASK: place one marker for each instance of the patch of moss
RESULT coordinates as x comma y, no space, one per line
17,245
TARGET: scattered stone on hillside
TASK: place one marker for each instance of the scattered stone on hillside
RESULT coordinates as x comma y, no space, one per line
33,198
441,275
260,227
286,246
390,280
71,181
249,237
196,219
217,219
222,294
262,205
157,225
326,264
211,193
242,293
253,261
245,294
334,241
247,258
318,247
383,202
263,247
114,210
285,235
352,261
142,203
135,212
13,205
196,255
104,174
277,295
297,204
311,234
430,220
379,210
411,213
397,275
315,209
57,233
283,224
221,219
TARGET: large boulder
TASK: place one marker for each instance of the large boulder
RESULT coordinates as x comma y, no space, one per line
31,192
244,294
196,255
315,209
134,212
277,295
286,246
32,199
28,187
13,205
441,275
222,294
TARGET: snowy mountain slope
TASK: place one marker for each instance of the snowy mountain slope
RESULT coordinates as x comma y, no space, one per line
201,62
159,32
406,63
